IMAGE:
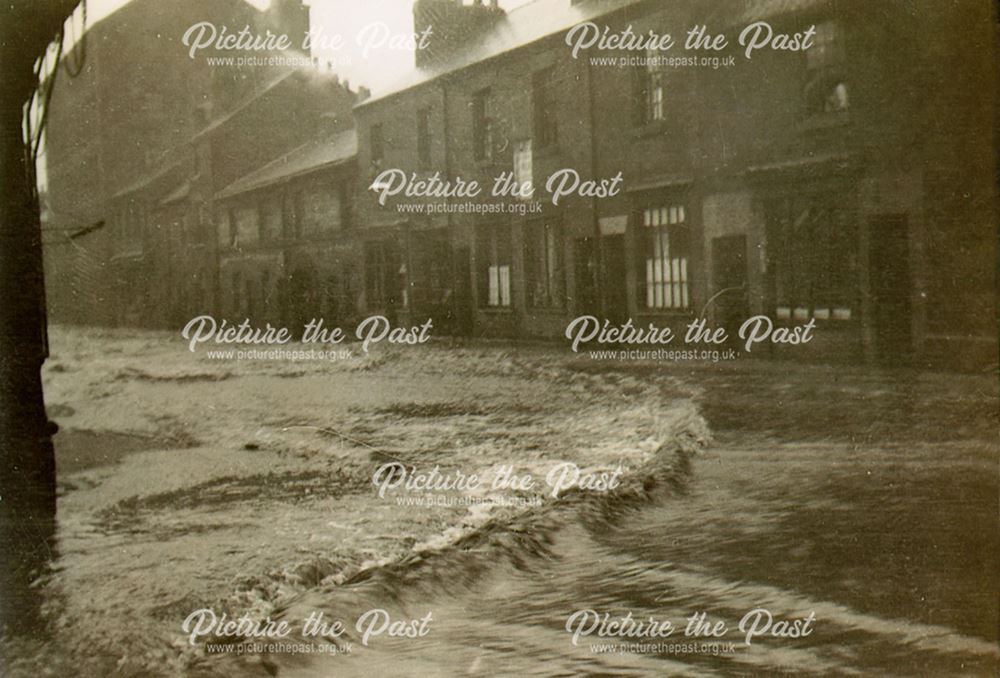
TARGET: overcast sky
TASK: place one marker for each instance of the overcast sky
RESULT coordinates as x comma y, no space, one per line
375,68
348,18
374,21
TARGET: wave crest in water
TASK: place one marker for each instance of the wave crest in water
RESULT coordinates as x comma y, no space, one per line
511,547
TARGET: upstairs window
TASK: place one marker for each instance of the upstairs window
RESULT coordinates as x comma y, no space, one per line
319,209
224,222
826,88
231,232
827,50
424,137
296,212
523,169
270,218
650,87
666,244
543,97
245,226
482,126
376,143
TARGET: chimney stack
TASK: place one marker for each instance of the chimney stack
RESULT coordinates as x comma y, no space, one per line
290,17
452,24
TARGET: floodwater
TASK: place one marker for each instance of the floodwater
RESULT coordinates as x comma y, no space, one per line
890,550
865,501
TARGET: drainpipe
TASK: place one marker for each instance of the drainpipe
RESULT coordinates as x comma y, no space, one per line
448,217
597,280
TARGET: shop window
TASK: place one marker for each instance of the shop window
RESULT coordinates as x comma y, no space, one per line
493,259
666,243
812,257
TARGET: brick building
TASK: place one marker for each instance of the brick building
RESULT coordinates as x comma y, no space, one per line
143,139
283,257
124,104
821,185
849,185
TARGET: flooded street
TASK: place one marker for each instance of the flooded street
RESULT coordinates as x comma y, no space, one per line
859,500
499,338
864,541
888,544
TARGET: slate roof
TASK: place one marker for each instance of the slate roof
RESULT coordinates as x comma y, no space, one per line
515,29
543,18
311,156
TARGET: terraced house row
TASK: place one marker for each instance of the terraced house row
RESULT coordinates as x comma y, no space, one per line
848,184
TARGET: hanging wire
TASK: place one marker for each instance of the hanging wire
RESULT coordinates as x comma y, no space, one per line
73,66
42,98
78,57
47,85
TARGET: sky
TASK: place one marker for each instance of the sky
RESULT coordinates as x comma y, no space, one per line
378,65
367,28
373,33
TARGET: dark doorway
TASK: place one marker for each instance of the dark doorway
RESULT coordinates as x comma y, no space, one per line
613,278
585,276
729,283
383,278
889,266
463,291
431,279
302,298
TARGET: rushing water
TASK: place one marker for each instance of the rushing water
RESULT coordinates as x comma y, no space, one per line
889,550
866,499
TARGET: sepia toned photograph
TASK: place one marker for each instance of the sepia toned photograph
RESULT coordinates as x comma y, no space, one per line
432,338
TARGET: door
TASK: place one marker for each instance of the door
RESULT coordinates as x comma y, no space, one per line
301,300
384,276
613,278
585,276
431,280
891,289
463,290
729,283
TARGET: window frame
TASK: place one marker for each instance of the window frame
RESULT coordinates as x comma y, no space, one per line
424,137
651,95
544,264
382,266
544,108
376,144
827,90
813,253
270,205
524,157
665,255
482,126
494,267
